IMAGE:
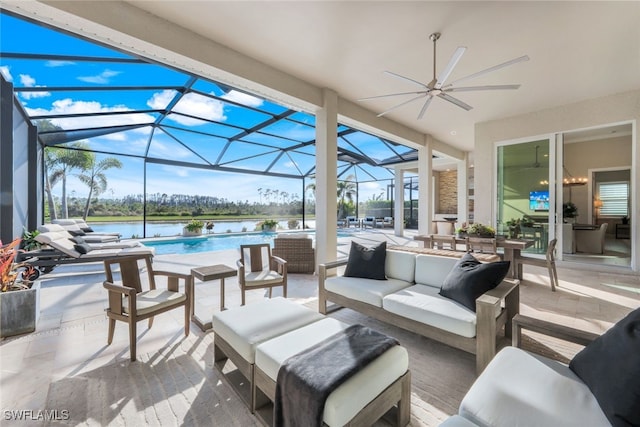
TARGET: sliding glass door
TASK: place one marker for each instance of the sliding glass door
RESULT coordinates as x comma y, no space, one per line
525,200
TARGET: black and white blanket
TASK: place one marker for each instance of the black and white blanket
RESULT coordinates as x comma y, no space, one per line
308,378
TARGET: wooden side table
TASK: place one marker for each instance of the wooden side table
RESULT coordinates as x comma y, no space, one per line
205,274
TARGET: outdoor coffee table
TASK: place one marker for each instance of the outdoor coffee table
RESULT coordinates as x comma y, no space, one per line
205,274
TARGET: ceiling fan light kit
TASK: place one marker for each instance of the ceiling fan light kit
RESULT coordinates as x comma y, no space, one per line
437,87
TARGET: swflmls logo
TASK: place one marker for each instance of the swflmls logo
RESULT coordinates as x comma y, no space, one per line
38,415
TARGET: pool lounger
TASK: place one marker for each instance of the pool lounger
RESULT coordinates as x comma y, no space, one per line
61,250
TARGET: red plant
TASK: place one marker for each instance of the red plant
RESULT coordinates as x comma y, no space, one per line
10,271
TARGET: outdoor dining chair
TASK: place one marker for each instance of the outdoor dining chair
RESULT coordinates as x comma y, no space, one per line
549,262
129,303
259,269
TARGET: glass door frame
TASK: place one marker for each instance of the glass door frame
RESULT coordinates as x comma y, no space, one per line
555,185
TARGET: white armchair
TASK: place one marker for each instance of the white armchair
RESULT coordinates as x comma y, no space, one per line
591,241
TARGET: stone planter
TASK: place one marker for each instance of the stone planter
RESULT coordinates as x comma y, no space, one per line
19,311
187,233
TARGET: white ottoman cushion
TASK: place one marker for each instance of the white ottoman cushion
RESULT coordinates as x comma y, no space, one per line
423,304
350,397
370,291
245,327
525,389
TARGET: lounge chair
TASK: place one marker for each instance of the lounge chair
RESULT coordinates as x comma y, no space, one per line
75,223
73,230
60,249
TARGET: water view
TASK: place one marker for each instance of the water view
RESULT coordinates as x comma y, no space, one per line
135,229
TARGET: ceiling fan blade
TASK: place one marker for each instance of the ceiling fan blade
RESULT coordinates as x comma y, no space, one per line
455,101
398,76
489,70
474,88
425,106
393,94
444,74
401,104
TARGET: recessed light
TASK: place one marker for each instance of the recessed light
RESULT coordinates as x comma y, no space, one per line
453,132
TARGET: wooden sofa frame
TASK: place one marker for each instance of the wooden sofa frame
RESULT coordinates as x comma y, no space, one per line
484,345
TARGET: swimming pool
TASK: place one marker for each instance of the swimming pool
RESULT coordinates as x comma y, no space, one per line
218,242
189,245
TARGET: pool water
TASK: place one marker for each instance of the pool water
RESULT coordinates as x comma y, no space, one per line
218,242
190,245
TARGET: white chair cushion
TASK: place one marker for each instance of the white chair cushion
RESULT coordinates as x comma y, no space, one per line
457,421
46,228
423,304
353,395
432,270
524,389
400,265
244,328
370,291
261,278
148,301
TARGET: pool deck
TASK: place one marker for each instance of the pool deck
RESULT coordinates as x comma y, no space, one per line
66,365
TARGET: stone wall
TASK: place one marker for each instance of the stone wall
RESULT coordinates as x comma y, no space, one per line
447,192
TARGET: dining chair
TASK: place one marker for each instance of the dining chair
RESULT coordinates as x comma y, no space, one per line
129,303
549,262
484,245
259,269
591,241
439,241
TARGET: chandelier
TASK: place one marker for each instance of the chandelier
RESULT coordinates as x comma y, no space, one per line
572,181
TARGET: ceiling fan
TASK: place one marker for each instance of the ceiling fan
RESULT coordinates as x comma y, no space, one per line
437,87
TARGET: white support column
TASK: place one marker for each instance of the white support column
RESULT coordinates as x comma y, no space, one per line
425,182
463,189
398,202
326,178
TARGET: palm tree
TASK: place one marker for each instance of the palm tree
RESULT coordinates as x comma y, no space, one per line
96,179
346,190
63,161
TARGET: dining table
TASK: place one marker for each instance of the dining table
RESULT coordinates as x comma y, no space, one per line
512,248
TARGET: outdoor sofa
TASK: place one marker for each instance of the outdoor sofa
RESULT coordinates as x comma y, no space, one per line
599,387
409,298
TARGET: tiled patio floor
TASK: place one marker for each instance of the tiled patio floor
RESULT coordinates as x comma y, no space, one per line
70,343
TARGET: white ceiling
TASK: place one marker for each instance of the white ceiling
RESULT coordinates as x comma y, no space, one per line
577,50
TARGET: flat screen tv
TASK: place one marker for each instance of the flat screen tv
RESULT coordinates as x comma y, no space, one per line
539,200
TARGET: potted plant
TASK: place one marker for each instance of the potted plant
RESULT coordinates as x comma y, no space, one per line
193,228
19,293
476,230
514,227
569,211
269,225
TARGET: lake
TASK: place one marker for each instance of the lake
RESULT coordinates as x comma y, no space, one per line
134,229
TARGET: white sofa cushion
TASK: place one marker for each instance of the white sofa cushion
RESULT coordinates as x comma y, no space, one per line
423,304
400,265
524,389
353,395
432,270
245,327
370,291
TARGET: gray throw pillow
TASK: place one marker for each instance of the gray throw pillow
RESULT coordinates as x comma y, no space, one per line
367,263
83,248
610,367
470,278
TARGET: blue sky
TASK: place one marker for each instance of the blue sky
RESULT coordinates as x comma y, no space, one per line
232,109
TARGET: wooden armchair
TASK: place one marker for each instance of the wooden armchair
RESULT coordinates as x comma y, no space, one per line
483,245
257,269
129,303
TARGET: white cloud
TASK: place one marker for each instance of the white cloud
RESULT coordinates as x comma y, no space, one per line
192,104
102,78
69,106
4,70
58,63
27,81
242,98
